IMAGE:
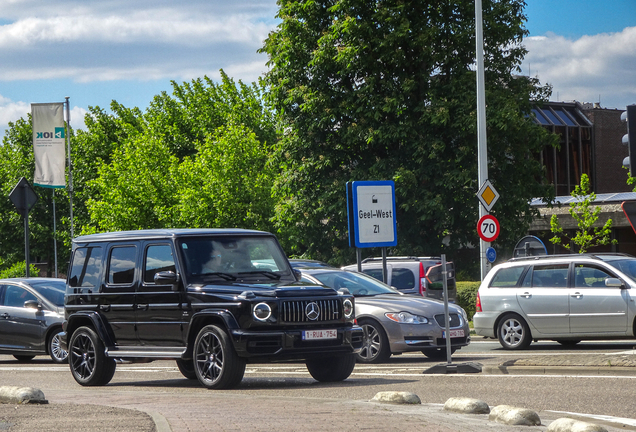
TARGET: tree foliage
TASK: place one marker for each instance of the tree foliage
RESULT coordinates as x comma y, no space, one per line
385,90
587,236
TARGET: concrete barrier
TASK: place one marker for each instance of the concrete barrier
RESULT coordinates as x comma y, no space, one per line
396,397
570,425
514,416
467,406
21,395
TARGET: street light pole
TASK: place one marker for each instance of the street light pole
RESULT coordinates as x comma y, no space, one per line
482,152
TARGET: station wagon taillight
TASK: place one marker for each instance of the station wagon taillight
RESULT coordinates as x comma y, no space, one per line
478,304
422,281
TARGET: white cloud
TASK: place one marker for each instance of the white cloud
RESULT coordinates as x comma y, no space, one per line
586,69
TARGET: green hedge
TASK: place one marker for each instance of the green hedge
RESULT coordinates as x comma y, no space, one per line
19,270
467,296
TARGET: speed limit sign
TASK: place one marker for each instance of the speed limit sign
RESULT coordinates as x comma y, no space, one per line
488,228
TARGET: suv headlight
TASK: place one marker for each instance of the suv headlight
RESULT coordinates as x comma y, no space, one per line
262,311
347,307
406,318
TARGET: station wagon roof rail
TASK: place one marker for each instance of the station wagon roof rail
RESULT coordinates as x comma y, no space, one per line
400,258
598,256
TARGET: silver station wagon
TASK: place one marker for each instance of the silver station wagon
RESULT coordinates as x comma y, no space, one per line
566,298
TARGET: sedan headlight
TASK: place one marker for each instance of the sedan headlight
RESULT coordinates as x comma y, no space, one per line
406,318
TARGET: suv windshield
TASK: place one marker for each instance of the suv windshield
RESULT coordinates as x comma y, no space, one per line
228,258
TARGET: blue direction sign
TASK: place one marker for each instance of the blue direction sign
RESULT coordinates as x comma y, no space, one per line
371,213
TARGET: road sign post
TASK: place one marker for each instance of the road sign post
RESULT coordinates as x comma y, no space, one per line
24,198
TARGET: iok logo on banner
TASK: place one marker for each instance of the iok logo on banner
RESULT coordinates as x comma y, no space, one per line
48,144
59,133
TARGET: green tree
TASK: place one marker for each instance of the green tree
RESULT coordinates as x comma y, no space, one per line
371,90
16,153
198,159
587,236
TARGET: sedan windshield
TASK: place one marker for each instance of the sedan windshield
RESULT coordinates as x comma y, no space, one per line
53,291
358,284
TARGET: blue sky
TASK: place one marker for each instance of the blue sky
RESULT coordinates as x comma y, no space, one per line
95,52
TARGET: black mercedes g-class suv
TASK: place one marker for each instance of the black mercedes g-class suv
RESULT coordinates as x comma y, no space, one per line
211,299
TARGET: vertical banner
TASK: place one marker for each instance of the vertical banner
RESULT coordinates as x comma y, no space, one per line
48,144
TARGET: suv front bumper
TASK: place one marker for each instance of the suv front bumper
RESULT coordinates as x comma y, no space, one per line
289,344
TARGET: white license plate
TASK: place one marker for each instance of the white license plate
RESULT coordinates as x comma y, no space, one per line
320,334
454,333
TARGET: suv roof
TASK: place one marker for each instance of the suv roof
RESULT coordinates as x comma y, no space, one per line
151,233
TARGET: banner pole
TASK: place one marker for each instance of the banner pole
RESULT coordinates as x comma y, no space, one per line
70,166
54,234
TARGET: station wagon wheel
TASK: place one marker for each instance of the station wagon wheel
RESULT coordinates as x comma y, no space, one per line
375,344
216,364
87,358
56,352
331,369
513,332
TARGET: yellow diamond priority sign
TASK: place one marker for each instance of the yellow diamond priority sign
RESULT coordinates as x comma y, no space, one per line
487,195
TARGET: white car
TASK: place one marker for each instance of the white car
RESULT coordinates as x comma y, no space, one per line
566,298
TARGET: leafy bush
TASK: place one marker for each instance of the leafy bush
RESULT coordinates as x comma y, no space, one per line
19,270
467,296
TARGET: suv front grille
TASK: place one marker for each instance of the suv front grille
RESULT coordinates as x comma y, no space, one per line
454,320
296,311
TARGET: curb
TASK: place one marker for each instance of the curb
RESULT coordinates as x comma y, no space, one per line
559,370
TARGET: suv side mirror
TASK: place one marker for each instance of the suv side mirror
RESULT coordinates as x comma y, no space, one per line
167,278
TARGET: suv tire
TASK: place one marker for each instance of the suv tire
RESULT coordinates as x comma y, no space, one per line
513,332
87,359
186,367
375,344
216,364
331,369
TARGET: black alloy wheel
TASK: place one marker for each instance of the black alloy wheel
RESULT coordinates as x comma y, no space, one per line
87,358
216,364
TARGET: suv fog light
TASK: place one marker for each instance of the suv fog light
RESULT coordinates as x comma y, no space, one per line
347,305
262,311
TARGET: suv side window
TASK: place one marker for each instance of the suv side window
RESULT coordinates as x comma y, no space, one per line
86,267
551,276
507,277
158,258
586,276
121,265
374,273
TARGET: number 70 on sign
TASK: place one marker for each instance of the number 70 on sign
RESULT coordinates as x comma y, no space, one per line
488,228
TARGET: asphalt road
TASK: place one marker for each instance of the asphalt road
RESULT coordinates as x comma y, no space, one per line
285,394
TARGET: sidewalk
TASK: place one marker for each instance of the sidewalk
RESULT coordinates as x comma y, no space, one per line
114,411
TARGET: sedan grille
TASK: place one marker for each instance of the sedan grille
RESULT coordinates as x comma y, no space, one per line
454,320
311,311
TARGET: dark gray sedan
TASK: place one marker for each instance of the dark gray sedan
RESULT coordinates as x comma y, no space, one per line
393,322
31,316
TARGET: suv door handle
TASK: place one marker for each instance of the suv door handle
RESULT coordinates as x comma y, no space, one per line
577,295
5,315
142,307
